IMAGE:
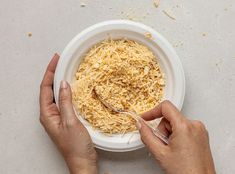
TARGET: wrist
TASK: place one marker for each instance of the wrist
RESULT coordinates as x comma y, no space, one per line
82,166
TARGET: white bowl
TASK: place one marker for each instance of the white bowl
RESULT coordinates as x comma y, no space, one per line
116,29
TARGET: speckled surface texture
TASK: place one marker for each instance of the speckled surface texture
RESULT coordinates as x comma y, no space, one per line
203,35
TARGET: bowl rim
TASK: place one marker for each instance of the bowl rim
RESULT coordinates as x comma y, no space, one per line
162,43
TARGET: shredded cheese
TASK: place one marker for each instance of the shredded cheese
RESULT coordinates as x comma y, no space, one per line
148,35
169,15
127,75
156,3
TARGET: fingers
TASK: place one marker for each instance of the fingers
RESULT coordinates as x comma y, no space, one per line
155,145
165,109
164,127
46,92
65,103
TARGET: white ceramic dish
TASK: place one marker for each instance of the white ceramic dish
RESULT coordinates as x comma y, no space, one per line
116,29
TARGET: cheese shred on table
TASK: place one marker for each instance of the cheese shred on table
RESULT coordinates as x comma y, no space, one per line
127,75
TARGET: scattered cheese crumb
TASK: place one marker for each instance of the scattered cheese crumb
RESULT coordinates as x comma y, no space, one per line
156,3
204,34
148,35
83,4
132,14
169,15
30,34
130,17
175,45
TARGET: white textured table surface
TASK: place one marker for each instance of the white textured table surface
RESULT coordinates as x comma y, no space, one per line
203,35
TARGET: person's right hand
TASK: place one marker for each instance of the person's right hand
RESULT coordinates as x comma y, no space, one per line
188,151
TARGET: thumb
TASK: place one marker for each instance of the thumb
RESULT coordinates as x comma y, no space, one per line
65,103
154,144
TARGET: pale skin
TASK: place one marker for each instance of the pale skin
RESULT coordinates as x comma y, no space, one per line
188,151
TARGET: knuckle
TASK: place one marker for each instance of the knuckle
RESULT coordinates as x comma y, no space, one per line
199,125
200,129
185,126
63,99
41,120
159,155
70,123
41,85
207,134
147,144
166,103
143,139
146,139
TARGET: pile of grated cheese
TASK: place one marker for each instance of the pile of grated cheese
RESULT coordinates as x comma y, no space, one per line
127,75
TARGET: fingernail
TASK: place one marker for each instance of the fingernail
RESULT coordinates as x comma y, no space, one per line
56,54
63,84
138,125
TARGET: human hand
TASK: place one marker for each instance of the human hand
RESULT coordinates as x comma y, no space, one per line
188,151
64,128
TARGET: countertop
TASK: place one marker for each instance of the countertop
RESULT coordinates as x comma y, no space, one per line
203,34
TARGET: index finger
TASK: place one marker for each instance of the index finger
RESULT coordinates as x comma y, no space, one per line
46,92
165,109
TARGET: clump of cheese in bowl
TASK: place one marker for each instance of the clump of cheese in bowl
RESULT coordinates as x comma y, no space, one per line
127,75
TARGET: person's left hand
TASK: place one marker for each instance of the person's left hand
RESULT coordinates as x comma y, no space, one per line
62,125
